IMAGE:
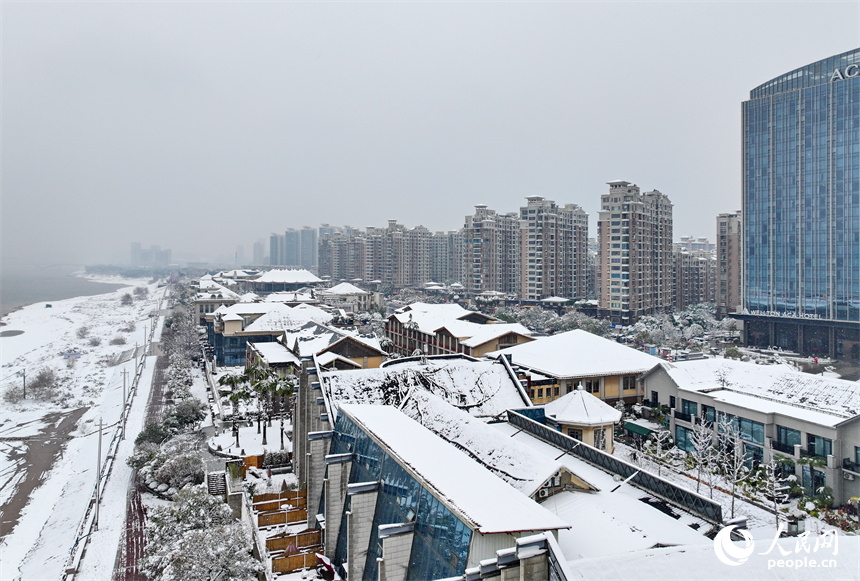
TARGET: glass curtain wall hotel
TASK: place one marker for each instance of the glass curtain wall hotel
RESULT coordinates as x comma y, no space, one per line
801,206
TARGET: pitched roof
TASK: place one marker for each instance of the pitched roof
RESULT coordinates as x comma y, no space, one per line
284,317
508,459
345,288
482,388
279,275
488,504
579,354
582,408
273,353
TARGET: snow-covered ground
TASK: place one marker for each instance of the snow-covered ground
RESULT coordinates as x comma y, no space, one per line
250,442
38,545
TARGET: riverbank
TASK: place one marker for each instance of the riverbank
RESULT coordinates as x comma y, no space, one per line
22,285
88,344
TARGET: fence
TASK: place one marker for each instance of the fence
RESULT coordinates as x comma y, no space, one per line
281,517
299,541
286,495
85,528
294,562
284,503
686,499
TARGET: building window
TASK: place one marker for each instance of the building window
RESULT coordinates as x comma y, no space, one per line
709,414
787,436
540,393
819,446
629,382
683,439
592,386
575,434
689,407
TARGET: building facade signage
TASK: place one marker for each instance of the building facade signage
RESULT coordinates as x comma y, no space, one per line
849,72
784,314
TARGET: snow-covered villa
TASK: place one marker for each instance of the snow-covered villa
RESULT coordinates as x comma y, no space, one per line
437,329
554,366
812,420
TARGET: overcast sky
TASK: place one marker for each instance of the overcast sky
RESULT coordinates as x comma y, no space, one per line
201,126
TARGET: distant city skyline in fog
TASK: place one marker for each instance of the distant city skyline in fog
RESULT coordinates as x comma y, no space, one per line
200,127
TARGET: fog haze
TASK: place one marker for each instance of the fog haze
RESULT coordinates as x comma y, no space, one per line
201,126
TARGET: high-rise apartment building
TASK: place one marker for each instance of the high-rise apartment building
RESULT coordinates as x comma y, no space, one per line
553,247
729,263
801,209
395,255
492,252
635,274
694,277
308,248
276,245
259,253
291,252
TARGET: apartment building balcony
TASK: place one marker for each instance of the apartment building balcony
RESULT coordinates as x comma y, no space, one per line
851,466
782,447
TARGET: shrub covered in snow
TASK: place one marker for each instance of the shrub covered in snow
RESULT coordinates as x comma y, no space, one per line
196,539
177,471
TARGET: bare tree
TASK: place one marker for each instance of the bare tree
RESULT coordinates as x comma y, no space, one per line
733,459
659,447
703,453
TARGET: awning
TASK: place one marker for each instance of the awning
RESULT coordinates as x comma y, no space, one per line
637,429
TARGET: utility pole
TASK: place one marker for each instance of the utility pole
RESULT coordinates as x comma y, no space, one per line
24,373
98,479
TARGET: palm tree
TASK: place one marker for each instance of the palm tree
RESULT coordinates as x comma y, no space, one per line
239,392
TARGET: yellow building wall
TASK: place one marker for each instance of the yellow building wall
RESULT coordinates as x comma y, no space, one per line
372,362
232,327
611,387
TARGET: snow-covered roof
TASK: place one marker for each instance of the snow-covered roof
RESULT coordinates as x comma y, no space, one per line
297,276
212,290
290,297
248,308
486,503
429,318
345,288
249,298
611,510
554,300
273,353
474,334
612,524
582,408
312,338
329,356
285,317
482,388
234,274
508,459
781,384
579,354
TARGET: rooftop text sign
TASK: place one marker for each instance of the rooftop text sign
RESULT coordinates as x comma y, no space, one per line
847,73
